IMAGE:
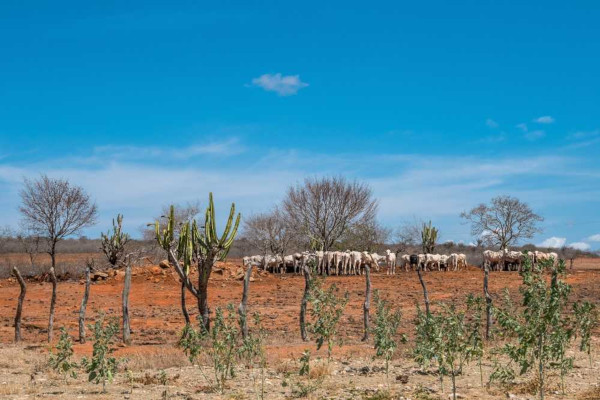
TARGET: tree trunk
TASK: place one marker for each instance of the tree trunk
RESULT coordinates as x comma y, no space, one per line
19,304
425,294
488,302
53,296
367,303
184,310
242,309
303,304
84,300
203,275
126,287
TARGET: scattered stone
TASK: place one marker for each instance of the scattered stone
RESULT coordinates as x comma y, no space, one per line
98,275
164,264
402,378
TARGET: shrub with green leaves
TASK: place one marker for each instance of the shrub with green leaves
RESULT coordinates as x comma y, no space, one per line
385,330
61,360
542,328
445,338
220,345
102,368
325,312
252,353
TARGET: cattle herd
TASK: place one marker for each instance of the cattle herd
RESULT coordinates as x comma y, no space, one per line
507,260
353,262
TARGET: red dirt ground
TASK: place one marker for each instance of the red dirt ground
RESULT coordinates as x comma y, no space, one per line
157,319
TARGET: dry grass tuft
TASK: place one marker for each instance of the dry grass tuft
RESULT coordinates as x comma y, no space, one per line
591,394
160,358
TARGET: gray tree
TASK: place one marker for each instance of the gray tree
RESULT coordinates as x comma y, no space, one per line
269,232
365,236
324,209
54,209
503,222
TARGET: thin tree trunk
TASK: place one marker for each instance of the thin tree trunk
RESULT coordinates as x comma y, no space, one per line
367,303
19,304
84,300
425,294
53,296
203,276
126,287
184,310
488,302
242,309
303,304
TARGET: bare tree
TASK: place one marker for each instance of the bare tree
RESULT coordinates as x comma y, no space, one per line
30,243
504,222
55,209
269,232
409,232
324,209
365,236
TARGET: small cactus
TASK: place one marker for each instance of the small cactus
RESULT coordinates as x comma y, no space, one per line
113,244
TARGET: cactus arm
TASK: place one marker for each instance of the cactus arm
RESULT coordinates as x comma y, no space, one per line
228,226
229,242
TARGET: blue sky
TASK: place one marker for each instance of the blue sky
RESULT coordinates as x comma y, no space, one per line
438,106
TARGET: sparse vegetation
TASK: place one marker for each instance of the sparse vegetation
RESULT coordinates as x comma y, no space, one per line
542,328
385,331
102,367
61,360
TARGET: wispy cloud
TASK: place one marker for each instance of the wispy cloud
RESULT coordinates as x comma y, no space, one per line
594,238
579,246
228,147
283,85
553,242
546,119
535,135
491,123
582,139
522,126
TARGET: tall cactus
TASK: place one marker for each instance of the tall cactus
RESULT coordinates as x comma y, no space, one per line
429,237
199,247
113,244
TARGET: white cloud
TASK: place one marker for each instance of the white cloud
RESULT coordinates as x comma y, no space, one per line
282,85
554,242
546,119
535,135
523,127
224,148
594,238
491,123
579,246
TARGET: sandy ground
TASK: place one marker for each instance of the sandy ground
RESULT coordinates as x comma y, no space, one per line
157,322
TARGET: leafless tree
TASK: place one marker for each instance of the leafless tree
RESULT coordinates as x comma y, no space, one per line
55,209
324,209
269,232
409,232
504,222
30,243
365,236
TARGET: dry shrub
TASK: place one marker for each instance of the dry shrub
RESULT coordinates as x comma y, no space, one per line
162,358
320,369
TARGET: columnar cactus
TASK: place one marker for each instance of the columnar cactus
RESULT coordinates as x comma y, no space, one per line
429,237
113,244
200,248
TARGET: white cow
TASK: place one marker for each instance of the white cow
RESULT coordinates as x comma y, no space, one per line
491,258
355,262
390,262
405,261
453,261
462,260
432,260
